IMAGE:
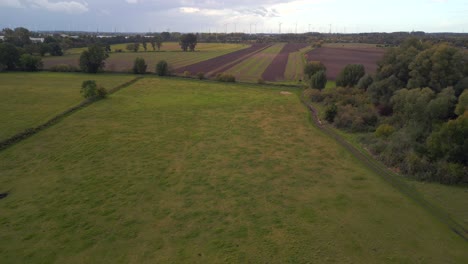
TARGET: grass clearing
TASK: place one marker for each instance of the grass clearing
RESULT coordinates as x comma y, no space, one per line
252,68
30,99
188,171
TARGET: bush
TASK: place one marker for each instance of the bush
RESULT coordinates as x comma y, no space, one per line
318,80
30,62
260,81
350,75
89,89
201,75
224,77
312,68
162,68
365,82
330,113
139,66
63,68
187,74
384,131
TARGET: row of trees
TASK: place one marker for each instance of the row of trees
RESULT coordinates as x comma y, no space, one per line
415,107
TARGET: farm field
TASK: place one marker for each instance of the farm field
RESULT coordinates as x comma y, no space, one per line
123,62
335,59
168,46
295,66
276,70
251,69
188,171
30,99
222,63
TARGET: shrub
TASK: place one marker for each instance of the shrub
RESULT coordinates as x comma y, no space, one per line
312,68
384,131
187,74
318,80
330,113
30,62
260,81
139,66
314,95
365,82
201,75
350,75
162,68
89,89
63,68
224,77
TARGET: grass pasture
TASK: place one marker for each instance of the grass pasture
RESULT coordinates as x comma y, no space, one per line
30,99
171,171
252,68
123,62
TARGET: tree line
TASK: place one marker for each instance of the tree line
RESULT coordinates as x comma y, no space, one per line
412,114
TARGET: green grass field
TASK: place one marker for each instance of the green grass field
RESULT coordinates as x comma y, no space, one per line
123,62
30,99
172,171
295,67
251,69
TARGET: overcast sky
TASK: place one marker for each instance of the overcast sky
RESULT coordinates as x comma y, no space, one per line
237,15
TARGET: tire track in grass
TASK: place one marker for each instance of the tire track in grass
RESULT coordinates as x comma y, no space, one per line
388,176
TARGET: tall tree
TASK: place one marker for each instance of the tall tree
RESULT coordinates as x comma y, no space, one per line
188,42
9,56
93,59
350,75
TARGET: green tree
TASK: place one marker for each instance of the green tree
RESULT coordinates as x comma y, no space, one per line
462,105
145,47
188,42
55,49
312,68
162,68
382,91
451,141
331,112
365,82
318,80
93,59
350,75
9,56
89,89
30,63
139,66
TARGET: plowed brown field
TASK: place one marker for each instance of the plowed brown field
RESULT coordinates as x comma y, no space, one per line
335,59
223,62
275,71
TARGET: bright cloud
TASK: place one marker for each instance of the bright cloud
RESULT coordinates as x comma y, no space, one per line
11,3
71,7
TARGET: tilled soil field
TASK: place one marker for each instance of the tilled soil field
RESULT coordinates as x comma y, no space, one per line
275,71
223,62
335,59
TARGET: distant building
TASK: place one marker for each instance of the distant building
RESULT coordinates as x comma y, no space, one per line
2,38
37,40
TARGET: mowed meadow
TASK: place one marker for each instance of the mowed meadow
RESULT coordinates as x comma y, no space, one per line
172,171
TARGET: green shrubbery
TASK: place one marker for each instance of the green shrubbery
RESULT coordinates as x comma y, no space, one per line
89,89
224,77
63,68
30,63
162,68
139,66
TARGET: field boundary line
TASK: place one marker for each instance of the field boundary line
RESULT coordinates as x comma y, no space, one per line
29,132
387,175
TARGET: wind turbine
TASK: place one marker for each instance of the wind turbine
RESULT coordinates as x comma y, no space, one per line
280,27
